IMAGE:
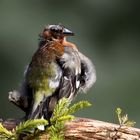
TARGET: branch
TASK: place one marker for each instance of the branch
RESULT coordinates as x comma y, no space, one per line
80,128
88,129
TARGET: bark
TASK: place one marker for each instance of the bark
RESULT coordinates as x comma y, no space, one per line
88,129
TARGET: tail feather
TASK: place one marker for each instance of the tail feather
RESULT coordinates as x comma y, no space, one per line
36,111
41,127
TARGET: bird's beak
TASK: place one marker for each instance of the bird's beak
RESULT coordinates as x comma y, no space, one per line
67,32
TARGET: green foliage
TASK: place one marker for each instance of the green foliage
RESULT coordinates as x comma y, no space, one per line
123,119
60,109
27,127
56,131
77,106
61,114
5,134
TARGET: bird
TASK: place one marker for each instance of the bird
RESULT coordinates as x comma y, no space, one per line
57,69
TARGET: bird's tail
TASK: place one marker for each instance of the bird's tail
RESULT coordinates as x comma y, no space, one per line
37,107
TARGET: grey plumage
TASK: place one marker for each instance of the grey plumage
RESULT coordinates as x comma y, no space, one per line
76,68
88,73
71,67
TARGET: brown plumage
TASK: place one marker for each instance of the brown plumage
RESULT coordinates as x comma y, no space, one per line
51,51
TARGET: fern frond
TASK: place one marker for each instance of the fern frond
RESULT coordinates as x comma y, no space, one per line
61,114
66,118
30,125
77,106
123,119
5,134
56,131
61,107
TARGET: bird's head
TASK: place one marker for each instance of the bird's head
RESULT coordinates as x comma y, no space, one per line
56,32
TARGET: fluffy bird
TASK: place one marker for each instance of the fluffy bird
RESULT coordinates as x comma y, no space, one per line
57,69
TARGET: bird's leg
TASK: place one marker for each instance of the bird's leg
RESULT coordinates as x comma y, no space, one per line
17,99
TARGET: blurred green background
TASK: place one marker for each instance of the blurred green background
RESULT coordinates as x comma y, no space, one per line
106,31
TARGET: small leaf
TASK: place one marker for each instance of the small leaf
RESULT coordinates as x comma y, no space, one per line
76,107
66,118
30,125
118,111
4,133
130,123
61,107
124,119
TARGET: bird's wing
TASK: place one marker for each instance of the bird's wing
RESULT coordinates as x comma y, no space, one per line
67,86
88,73
71,67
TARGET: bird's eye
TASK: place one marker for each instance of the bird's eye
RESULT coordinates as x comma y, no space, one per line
57,29
54,30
